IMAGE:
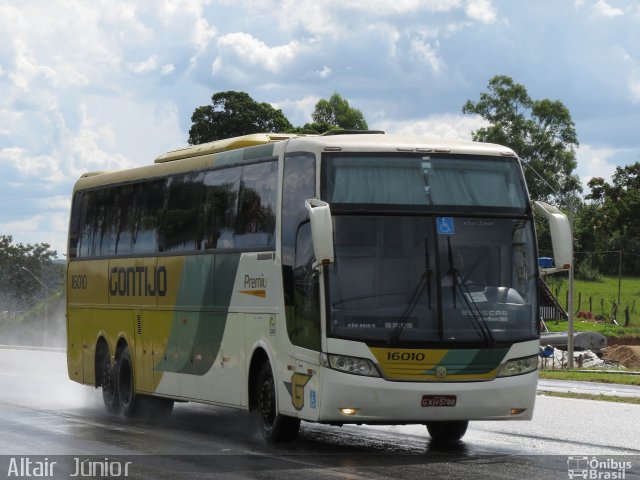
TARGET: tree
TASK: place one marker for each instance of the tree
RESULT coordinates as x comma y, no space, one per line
541,132
614,216
17,285
233,114
336,114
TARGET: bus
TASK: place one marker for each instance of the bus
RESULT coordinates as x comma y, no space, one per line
342,279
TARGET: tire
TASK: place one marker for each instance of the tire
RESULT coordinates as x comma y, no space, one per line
447,432
275,428
109,389
128,399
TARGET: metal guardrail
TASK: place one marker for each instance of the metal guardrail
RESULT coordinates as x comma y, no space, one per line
39,349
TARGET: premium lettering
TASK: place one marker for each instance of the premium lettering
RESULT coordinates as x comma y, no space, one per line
255,282
138,281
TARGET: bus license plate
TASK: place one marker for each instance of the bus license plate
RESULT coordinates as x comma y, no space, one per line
438,400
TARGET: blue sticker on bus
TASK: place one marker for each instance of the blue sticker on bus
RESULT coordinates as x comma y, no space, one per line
445,225
313,399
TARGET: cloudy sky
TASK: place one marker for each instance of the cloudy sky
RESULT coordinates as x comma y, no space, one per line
108,84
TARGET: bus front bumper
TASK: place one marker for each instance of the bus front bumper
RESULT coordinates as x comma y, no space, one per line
356,399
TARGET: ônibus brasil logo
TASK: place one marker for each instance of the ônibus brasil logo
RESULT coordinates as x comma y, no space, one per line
594,468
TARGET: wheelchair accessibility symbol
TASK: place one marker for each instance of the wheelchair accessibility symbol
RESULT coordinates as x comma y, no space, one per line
445,225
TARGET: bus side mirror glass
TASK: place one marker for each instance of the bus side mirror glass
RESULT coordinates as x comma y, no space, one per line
560,235
321,231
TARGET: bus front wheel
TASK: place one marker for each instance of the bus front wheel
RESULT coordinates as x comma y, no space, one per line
275,428
446,432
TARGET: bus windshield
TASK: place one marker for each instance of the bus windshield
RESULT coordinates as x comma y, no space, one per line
408,279
406,272
419,180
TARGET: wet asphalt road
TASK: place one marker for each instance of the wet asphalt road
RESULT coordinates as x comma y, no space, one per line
44,415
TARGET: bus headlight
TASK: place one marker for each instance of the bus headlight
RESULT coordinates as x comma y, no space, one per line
353,365
518,366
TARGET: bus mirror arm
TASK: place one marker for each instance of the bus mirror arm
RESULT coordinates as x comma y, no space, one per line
321,231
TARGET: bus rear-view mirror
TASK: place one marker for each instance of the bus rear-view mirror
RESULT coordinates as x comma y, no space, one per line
321,231
560,235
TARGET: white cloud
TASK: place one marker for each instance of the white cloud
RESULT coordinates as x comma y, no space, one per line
148,65
427,53
481,10
595,162
26,225
324,73
245,49
168,69
299,111
448,126
604,9
50,228
43,167
388,7
55,202
86,149
634,89
189,13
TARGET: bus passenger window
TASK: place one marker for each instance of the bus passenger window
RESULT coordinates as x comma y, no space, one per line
219,208
256,222
148,215
181,216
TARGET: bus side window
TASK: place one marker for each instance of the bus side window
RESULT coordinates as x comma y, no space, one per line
256,221
181,216
85,229
74,224
148,215
122,234
306,293
220,202
300,286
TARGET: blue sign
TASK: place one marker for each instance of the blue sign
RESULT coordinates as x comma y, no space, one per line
445,225
313,399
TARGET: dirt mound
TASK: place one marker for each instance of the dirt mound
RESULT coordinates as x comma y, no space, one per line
627,355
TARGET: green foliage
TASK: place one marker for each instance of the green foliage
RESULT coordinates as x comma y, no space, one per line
586,271
604,293
614,217
233,114
541,132
336,113
588,396
582,376
18,265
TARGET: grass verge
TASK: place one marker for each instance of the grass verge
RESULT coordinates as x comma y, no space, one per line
598,377
587,396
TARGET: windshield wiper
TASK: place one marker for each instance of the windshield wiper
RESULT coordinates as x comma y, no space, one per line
459,286
425,279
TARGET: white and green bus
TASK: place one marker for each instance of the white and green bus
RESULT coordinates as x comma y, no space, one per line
348,278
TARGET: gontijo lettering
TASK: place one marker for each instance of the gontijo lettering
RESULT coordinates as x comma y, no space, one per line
138,281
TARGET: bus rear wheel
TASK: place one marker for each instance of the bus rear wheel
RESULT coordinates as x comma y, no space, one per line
447,432
129,401
275,428
109,390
